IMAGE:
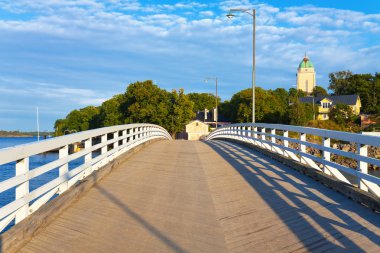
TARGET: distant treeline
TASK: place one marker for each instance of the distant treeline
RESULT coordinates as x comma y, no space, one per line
144,102
20,134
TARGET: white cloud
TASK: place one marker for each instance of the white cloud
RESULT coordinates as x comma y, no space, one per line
206,13
90,42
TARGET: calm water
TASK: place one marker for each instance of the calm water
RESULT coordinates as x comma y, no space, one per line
8,170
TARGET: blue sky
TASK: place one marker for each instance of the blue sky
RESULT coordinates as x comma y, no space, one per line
60,55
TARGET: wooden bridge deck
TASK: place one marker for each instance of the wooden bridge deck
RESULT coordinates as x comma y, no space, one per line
183,196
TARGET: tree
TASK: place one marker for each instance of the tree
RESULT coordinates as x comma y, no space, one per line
202,101
319,91
295,94
341,114
300,113
241,106
144,102
367,86
110,112
181,111
340,82
60,126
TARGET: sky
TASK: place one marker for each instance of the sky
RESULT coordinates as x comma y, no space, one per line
60,55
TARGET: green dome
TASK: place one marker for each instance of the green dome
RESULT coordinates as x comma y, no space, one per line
306,63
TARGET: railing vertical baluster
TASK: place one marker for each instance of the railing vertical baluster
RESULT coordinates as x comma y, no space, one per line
124,141
249,134
62,153
103,140
273,139
302,147
115,139
263,137
362,166
326,154
88,157
286,143
22,167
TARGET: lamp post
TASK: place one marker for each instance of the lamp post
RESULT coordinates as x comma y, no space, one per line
230,15
216,98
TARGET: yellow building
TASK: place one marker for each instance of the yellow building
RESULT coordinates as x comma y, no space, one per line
306,76
196,129
325,103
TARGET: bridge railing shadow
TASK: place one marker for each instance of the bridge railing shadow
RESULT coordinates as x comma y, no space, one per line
256,168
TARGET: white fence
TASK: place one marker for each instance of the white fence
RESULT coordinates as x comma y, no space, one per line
276,138
108,143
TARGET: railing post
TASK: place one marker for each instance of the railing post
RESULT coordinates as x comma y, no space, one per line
62,153
124,140
255,133
22,167
302,147
273,139
103,139
362,150
263,137
326,154
88,157
115,137
286,143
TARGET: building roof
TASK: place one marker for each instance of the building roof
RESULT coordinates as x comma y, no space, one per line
306,63
343,99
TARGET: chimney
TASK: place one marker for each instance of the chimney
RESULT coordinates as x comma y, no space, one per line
206,111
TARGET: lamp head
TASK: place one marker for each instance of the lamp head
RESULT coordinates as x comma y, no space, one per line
230,15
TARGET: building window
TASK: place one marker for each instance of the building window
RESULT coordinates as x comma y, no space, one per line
196,124
326,105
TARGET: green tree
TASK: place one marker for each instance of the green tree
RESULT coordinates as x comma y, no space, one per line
295,94
241,106
340,82
367,86
319,91
110,113
341,114
181,111
300,113
60,126
144,102
203,101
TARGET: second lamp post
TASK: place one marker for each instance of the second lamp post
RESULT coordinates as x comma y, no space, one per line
253,14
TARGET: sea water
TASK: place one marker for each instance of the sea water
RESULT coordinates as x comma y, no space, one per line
8,170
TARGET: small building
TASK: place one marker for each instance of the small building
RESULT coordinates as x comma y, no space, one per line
196,129
325,103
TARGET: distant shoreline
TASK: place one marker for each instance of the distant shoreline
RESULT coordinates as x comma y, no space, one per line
15,136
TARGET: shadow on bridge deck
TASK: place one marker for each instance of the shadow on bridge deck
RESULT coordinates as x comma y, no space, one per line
322,219
191,196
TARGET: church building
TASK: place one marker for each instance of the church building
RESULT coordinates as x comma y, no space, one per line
306,76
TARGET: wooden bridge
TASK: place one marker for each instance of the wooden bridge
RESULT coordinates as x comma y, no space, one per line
192,196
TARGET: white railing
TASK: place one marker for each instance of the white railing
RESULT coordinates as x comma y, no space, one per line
276,138
107,143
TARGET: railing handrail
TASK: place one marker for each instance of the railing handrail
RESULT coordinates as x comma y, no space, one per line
278,142
15,153
333,134
122,139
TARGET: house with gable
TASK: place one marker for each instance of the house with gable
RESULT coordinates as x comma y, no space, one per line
325,103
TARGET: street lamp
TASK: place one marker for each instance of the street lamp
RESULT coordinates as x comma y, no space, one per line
230,15
216,98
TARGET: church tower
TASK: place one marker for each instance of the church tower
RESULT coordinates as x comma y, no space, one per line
306,76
